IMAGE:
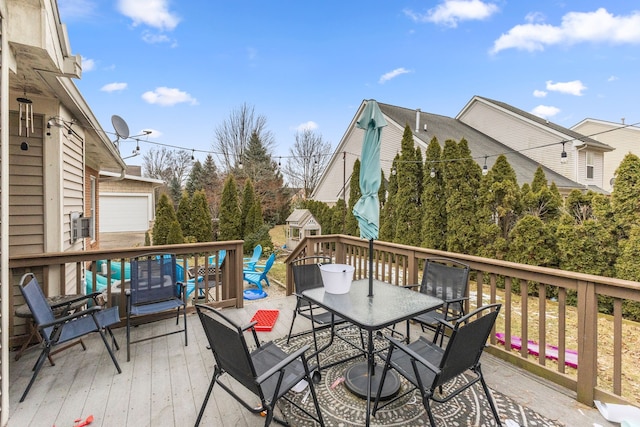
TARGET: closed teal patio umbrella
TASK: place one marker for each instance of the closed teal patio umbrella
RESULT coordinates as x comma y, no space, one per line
367,209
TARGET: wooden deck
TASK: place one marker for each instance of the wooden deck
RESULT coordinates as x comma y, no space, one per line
165,382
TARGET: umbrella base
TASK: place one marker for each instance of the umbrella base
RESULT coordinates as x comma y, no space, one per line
356,380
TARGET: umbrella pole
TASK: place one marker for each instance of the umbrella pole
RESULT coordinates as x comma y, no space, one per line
370,267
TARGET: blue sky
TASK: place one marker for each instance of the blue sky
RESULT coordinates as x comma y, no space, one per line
179,68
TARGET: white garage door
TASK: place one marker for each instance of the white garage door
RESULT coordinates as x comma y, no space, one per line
124,213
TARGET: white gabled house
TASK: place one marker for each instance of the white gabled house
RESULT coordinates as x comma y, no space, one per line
624,138
491,128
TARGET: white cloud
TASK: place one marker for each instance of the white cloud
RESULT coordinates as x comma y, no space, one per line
612,79
252,53
166,96
576,27
88,64
151,38
451,12
154,13
310,125
113,87
392,74
574,87
539,93
545,111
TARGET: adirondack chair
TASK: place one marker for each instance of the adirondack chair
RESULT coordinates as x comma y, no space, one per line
255,277
250,263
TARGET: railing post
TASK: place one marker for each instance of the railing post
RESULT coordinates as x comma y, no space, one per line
587,342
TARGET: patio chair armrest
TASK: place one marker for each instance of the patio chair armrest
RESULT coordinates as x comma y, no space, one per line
451,301
408,351
282,364
249,326
74,300
415,285
72,316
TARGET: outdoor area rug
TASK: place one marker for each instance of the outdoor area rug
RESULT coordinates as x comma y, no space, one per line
341,408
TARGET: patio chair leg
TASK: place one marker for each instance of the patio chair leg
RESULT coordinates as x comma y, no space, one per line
427,406
128,337
295,312
106,344
489,396
43,356
186,338
206,397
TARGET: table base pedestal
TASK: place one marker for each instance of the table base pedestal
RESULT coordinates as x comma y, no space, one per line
357,376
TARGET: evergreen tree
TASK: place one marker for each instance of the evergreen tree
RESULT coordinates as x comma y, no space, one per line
195,179
541,200
267,180
248,200
387,215
338,214
175,191
165,216
183,214
322,213
532,243
585,245
201,222
625,198
409,175
500,207
230,225
175,237
351,225
211,184
434,216
461,182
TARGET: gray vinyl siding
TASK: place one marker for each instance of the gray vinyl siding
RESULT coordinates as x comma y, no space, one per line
521,135
26,190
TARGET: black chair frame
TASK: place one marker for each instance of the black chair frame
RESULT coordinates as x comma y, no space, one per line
67,327
428,366
149,295
447,279
268,372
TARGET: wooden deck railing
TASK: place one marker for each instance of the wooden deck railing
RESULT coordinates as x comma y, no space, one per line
599,340
62,273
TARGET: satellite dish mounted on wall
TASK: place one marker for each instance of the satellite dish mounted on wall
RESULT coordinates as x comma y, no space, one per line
121,128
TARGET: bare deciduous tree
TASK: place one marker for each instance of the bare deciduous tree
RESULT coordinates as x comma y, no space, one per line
233,135
309,158
167,164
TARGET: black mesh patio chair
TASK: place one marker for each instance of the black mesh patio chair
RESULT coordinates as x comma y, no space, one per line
69,326
154,289
306,275
448,280
428,367
267,372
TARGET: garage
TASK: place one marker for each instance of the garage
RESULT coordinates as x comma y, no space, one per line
125,212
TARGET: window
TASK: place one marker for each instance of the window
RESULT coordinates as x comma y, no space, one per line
590,167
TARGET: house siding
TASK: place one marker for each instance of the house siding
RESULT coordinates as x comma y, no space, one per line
26,189
522,135
625,140
329,190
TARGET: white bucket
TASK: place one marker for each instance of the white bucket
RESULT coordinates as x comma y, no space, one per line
337,278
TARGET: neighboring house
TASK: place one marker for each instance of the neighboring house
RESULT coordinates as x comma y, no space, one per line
51,151
127,204
624,138
301,223
473,124
540,140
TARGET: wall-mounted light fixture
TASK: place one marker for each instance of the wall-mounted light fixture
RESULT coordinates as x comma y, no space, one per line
485,169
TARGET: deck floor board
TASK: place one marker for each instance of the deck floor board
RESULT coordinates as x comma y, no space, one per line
165,382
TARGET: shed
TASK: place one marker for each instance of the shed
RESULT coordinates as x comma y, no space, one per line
301,223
